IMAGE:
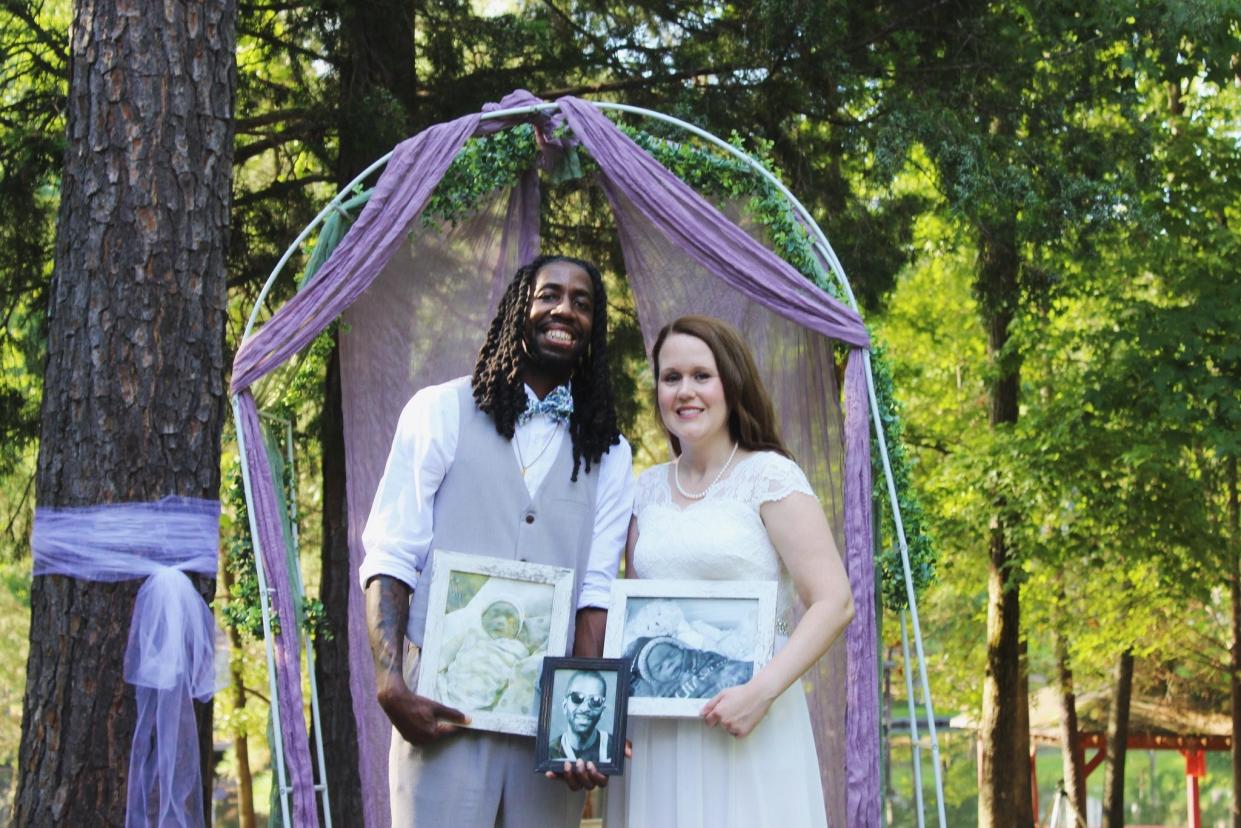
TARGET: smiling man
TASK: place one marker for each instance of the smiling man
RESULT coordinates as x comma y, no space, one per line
522,460
584,700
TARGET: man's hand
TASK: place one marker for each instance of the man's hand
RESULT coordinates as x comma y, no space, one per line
581,775
418,719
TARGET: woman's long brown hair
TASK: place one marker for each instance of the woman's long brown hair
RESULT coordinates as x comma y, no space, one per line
751,416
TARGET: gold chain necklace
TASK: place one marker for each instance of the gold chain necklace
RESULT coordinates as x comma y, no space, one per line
525,467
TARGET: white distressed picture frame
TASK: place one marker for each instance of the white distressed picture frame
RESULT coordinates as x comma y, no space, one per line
627,593
439,628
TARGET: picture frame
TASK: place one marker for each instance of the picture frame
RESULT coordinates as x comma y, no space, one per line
688,640
584,702
490,623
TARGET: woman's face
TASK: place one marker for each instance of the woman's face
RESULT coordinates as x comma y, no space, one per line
689,390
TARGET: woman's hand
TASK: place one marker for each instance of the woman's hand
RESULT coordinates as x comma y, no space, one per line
738,709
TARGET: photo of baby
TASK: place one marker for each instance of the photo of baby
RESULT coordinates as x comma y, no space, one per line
490,622
689,648
493,644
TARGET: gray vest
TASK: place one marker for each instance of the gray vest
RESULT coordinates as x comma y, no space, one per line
482,507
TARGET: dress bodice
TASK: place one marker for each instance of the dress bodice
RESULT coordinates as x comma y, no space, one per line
721,537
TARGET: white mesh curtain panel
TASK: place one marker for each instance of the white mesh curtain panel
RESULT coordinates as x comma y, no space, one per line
421,322
798,368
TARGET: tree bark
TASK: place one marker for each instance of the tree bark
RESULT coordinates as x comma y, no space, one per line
1023,786
378,85
1234,577
134,385
1117,743
1070,749
1004,799
241,743
340,732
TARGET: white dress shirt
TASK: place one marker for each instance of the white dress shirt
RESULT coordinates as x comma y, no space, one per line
398,532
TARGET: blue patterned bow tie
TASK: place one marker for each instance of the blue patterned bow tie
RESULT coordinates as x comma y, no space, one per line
557,405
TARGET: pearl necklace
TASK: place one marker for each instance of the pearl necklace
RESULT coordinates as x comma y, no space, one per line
676,476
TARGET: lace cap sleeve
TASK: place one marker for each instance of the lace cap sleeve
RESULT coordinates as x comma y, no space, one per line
651,487
778,478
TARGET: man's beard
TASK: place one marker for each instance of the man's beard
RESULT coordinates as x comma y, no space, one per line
537,359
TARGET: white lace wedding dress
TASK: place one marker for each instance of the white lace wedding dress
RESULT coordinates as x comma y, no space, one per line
684,774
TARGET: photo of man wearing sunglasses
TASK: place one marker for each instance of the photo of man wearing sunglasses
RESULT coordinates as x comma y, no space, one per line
585,699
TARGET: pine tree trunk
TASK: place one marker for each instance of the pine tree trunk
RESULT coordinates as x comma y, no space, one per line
134,385
1117,743
340,732
1070,748
1005,792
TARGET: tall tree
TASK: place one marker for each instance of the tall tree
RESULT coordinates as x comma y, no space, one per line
134,384
376,109
33,67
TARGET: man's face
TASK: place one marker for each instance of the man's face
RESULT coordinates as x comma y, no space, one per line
561,315
583,703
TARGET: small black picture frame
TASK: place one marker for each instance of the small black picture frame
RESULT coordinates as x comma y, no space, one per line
583,703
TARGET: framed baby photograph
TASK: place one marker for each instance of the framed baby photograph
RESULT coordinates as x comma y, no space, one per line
490,622
582,712
688,640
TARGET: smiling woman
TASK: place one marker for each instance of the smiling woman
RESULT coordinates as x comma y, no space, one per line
757,520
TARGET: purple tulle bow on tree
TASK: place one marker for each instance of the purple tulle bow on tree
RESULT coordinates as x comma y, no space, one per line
170,657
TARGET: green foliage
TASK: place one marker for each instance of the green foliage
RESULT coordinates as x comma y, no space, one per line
721,177
241,610
483,165
14,647
500,159
920,548
33,71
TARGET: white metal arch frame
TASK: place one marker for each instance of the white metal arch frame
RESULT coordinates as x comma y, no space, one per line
827,254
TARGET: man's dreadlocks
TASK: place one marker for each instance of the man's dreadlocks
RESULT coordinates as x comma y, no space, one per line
498,386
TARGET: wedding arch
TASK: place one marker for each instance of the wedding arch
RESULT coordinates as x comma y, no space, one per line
415,278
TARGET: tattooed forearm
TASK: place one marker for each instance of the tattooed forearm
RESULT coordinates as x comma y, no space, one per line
387,611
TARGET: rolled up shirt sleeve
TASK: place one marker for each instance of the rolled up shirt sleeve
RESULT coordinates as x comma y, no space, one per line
613,507
399,528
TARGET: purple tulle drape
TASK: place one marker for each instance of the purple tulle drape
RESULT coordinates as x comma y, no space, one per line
418,301
170,655
419,324
862,703
269,542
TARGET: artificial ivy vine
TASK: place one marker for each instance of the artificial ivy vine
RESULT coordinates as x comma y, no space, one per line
496,161
722,177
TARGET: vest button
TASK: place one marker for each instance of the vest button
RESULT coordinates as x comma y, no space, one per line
529,518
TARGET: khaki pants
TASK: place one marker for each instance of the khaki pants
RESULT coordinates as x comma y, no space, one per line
474,779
